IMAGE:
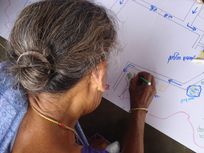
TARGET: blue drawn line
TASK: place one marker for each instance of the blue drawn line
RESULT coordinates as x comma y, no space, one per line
174,82
194,78
135,65
189,11
195,10
191,27
123,74
200,81
139,68
161,79
118,81
197,40
156,77
182,83
171,81
188,27
183,19
168,82
197,15
195,29
127,67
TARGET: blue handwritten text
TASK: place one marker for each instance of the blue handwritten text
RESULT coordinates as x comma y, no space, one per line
178,57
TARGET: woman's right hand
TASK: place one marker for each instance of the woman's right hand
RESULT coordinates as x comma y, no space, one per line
141,94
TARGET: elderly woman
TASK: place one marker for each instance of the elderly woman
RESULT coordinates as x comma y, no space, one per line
56,73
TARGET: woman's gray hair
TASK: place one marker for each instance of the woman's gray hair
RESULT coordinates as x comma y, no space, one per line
54,43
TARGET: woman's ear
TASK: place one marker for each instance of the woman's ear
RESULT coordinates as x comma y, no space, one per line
98,76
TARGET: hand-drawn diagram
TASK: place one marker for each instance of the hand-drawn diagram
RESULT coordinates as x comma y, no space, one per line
163,38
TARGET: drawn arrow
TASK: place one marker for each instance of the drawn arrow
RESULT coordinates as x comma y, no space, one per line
195,10
171,81
191,27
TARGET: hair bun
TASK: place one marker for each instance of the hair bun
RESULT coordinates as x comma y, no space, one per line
33,70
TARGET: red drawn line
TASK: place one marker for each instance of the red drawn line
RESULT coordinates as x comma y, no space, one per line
188,120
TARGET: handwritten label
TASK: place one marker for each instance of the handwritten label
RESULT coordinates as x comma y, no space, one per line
187,100
177,57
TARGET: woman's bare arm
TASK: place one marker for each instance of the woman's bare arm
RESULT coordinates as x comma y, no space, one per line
141,95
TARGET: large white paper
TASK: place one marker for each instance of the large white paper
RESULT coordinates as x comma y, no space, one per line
162,37
9,10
